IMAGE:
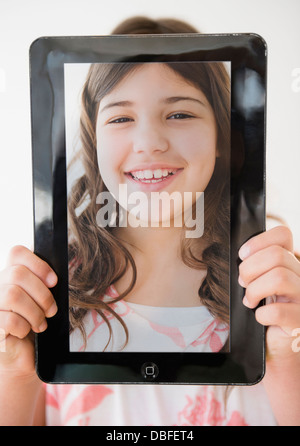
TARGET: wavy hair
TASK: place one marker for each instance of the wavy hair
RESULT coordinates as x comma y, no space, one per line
97,257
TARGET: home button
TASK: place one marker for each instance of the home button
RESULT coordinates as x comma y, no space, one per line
149,371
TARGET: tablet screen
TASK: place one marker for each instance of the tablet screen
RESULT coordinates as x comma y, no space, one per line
144,189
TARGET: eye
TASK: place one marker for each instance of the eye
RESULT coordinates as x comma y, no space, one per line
120,120
180,116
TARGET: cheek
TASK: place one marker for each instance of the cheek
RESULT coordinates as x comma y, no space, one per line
110,153
201,174
199,141
197,146
200,152
107,167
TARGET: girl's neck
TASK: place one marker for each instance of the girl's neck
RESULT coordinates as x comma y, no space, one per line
152,243
162,277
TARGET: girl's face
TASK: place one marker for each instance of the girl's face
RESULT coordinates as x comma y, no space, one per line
156,133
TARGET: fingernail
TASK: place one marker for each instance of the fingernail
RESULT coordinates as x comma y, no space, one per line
43,326
52,310
244,251
246,302
241,282
2,334
51,279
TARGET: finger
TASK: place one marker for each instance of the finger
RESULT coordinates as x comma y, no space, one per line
13,324
279,281
16,300
265,260
20,255
284,315
280,235
23,277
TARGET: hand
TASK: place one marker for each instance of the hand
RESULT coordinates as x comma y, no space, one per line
25,302
270,269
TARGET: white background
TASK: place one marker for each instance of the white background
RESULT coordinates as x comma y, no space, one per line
21,22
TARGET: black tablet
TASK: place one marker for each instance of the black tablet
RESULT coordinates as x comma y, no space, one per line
148,176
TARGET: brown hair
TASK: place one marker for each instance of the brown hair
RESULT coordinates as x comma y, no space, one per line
100,258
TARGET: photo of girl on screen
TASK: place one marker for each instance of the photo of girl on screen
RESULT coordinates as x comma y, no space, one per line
149,213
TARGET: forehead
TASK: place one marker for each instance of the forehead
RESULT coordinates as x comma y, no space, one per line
150,78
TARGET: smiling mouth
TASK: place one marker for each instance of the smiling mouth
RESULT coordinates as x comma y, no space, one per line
152,176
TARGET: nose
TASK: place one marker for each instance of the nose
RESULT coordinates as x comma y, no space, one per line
149,138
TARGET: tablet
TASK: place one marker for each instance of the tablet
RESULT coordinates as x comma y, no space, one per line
148,159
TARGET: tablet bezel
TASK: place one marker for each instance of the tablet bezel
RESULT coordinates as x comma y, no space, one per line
244,364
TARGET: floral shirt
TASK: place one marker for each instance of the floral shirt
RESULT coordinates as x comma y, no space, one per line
168,329
157,405
161,329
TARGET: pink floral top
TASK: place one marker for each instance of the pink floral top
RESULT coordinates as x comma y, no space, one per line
156,405
161,329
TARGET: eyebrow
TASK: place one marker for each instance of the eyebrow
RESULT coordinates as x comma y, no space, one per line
170,100
174,99
117,104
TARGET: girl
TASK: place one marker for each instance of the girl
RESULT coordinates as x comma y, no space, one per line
152,128
268,267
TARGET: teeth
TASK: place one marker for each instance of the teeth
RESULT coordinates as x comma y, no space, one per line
157,173
150,174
